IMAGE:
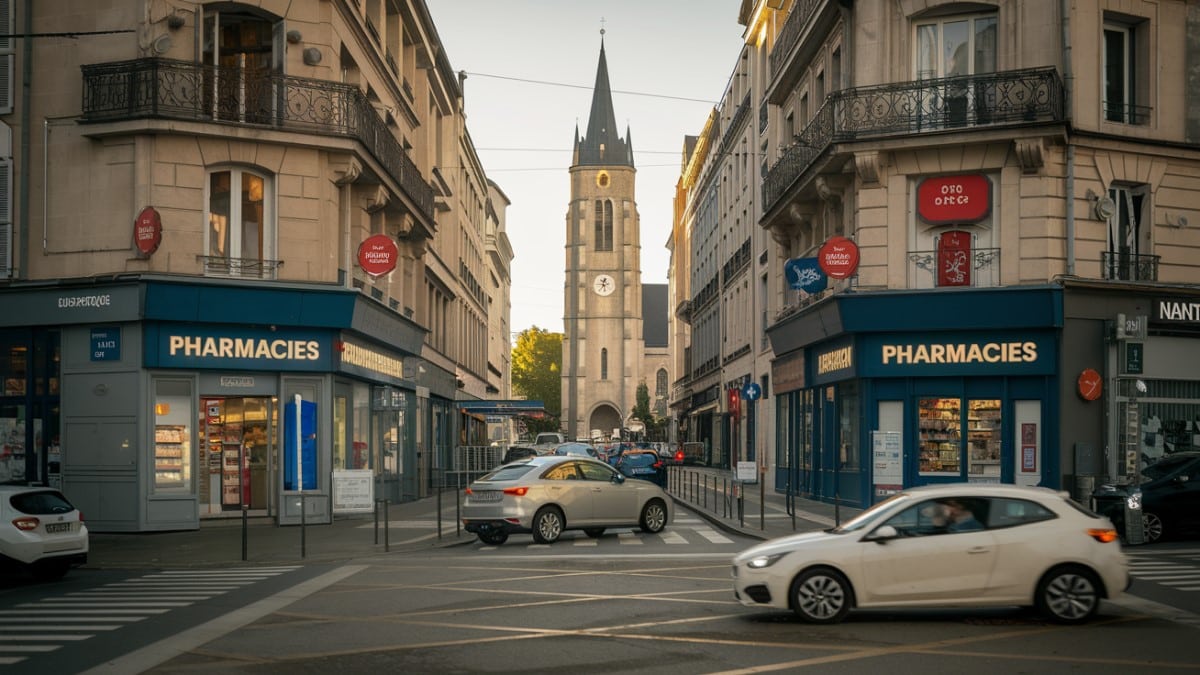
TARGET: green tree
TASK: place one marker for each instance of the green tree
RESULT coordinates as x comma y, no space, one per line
641,405
537,373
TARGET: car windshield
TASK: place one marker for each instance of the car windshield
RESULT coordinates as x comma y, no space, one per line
1164,468
573,449
508,472
870,515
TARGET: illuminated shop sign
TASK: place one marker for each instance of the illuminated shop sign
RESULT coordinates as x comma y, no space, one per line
957,354
837,359
954,199
1177,311
833,361
370,360
236,348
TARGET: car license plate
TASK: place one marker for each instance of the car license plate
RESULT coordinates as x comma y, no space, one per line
486,496
54,528
644,470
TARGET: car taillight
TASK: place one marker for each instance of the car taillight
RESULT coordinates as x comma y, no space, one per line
468,491
26,524
658,465
678,455
516,492
1104,536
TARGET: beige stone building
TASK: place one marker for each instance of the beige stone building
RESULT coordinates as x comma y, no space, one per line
1001,200
249,251
610,344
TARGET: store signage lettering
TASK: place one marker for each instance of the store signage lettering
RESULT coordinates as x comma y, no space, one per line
838,359
362,357
1179,310
990,352
74,301
838,258
954,199
377,255
147,231
243,348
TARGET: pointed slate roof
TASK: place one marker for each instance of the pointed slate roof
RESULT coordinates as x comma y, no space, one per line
602,146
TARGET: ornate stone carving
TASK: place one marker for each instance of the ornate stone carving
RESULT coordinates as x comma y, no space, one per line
377,200
867,165
346,169
1031,154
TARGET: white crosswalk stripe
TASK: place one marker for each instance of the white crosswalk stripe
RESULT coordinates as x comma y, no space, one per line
53,622
676,534
1177,568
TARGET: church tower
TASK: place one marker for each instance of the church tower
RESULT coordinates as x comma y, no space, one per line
602,294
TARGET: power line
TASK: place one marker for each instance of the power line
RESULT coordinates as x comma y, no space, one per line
590,87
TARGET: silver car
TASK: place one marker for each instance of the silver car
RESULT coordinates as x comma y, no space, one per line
548,494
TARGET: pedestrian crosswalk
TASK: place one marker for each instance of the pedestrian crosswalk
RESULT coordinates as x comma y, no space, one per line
1176,568
53,622
682,532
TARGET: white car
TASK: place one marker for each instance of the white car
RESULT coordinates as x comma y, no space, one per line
960,545
40,531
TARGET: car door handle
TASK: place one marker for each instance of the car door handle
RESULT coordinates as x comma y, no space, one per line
978,549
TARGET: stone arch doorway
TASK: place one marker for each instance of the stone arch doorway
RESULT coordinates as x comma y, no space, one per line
604,419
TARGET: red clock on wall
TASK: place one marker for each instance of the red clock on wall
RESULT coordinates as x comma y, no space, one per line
1090,384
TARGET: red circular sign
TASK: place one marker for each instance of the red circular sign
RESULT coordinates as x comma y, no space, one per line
147,231
1090,384
838,258
377,255
954,199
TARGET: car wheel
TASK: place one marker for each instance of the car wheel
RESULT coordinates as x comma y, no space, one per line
821,595
50,570
493,538
1068,594
594,532
654,517
1152,527
547,525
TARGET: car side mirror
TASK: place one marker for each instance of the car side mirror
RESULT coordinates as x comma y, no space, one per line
882,534
618,478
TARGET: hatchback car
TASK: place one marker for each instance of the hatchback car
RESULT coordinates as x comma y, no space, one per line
548,494
1168,496
919,548
40,531
643,465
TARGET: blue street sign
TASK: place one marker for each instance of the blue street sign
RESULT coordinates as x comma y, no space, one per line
805,274
751,392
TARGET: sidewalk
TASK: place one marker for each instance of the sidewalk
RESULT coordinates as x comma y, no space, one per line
413,527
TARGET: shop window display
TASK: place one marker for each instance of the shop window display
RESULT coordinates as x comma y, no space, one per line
940,443
983,440
172,436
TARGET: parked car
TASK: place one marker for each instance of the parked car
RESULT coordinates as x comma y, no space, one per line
40,531
1028,547
548,494
578,449
546,441
516,452
1168,496
644,465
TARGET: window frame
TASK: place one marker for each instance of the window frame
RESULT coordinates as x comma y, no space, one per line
235,235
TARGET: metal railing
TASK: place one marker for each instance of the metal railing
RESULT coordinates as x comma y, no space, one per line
1004,99
1120,266
184,90
248,268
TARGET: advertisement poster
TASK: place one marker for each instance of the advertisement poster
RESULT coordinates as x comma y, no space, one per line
887,465
353,491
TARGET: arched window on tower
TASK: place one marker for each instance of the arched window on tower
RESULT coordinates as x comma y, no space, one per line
604,225
660,384
604,364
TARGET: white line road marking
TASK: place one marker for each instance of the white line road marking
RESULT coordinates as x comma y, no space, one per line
672,538
713,536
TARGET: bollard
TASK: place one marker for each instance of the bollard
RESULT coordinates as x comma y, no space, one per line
245,511
762,503
386,526
704,492
377,521
439,510
303,524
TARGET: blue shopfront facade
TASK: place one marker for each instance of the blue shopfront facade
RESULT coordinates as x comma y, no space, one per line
880,391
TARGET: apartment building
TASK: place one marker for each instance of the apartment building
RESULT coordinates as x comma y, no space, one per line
250,258
1014,186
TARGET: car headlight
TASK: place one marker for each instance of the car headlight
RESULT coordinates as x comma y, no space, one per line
759,562
1134,501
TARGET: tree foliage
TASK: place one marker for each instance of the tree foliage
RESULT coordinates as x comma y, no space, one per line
537,374
641,406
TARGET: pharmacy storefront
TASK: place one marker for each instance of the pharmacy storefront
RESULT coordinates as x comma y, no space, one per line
917,389
154,404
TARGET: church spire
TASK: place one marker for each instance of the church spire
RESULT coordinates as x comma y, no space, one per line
602,146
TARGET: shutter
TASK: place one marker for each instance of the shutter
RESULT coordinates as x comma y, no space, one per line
6,57
6,229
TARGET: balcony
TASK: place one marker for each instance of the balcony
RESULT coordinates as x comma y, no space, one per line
953,104
169,89
978,268
241,268
1121,266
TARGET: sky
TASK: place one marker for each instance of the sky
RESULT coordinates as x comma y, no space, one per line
531,66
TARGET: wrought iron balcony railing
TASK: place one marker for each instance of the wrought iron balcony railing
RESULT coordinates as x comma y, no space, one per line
1121,266
979,268
797,18
1005,99
245,268
184,90
1127,113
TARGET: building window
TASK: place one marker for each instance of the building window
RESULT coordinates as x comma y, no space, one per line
953,48
243,51
173,415
604,225
660,383
1124,74
604,364
240,238
1128,241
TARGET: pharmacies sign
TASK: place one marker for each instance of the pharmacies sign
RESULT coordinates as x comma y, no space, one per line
237,348
944,200
966,353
